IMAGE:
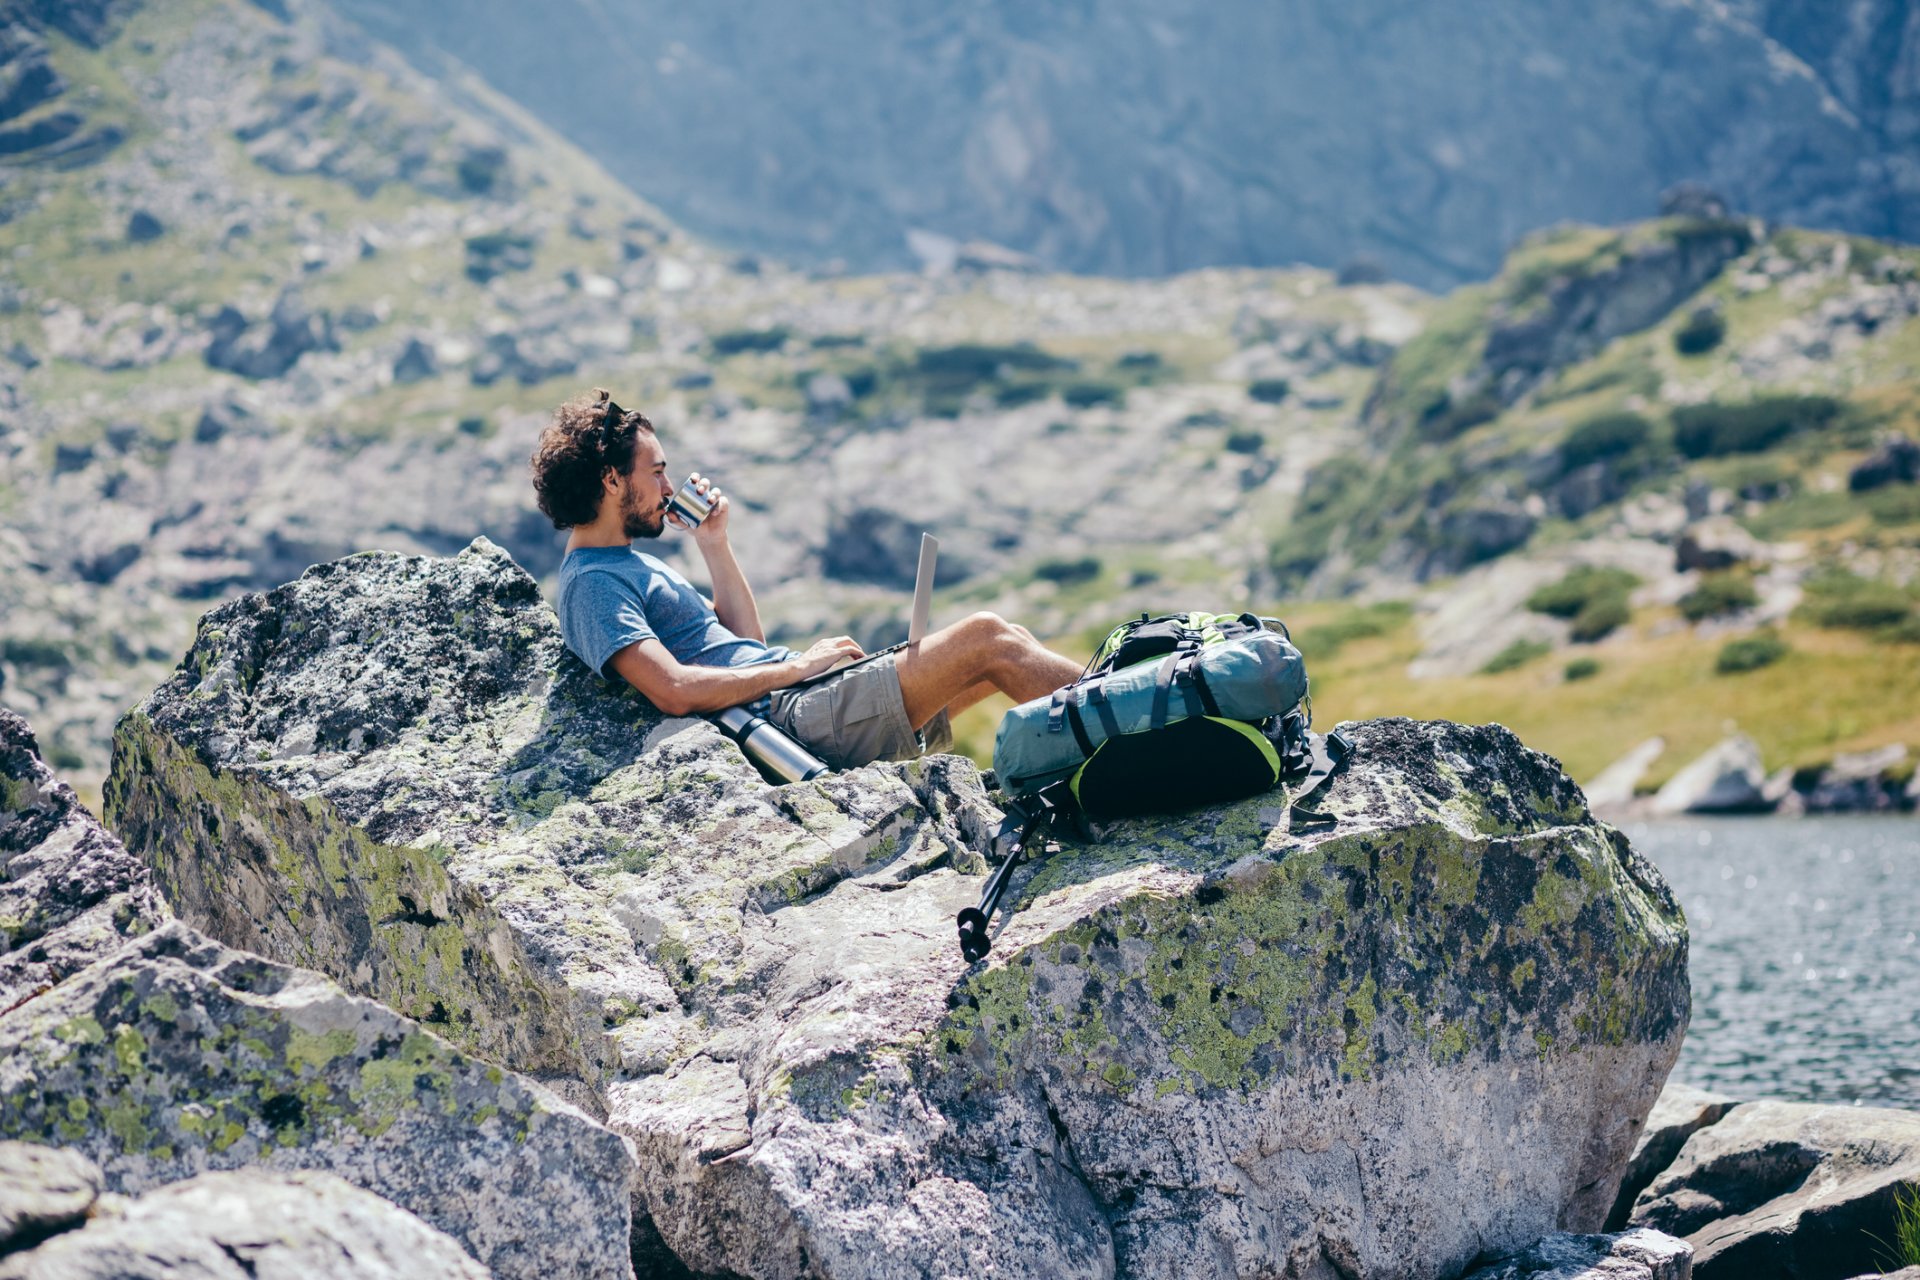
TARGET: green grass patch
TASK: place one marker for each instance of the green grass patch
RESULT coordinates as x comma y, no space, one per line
1324,639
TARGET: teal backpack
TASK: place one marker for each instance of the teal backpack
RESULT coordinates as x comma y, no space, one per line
1173,712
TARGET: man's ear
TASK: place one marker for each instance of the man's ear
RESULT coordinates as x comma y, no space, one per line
609,480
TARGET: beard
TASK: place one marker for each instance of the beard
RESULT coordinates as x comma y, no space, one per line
639,522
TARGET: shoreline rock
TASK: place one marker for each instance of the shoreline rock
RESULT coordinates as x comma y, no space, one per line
1208,1045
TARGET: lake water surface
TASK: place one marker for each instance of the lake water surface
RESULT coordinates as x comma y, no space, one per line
1805,961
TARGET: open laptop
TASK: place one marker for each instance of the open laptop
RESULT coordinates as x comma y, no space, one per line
920,620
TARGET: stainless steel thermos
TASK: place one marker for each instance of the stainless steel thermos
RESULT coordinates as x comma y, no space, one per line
768,746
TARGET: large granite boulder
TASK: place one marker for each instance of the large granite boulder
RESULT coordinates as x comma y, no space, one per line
137,1042
177,1055
238,1226
1788,1189
1207,1046
69,892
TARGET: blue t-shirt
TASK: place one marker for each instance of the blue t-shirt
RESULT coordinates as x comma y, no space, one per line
612,596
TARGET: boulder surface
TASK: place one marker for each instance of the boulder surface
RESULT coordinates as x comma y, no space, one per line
177,1055
249,1226
1208,1045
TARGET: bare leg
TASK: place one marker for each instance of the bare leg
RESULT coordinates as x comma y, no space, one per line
978,691
983,648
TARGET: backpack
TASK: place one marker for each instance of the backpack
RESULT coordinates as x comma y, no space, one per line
1171,713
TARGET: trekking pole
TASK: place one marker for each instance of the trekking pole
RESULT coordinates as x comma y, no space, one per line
1038,813
974,921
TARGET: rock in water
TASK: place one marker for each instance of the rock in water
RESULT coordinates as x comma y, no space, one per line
1639,1254
1680,1112
1208,1046
69,893
222,1226
1727,778
176,1055
1787,1189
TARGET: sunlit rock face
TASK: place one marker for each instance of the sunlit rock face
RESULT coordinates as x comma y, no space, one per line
1209,1045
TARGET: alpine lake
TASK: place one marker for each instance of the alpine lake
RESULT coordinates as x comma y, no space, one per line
1805,954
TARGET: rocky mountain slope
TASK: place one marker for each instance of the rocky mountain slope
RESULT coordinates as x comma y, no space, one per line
1147,138
295,300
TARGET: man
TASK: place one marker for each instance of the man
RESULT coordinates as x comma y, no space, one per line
599,471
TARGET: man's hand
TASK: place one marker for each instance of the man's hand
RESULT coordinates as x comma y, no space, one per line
712,531
825,653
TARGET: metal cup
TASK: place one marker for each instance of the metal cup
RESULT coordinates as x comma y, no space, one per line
690,504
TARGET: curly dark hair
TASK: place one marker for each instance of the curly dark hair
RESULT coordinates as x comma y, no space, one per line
587,435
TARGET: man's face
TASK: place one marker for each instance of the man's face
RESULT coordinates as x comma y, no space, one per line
644,493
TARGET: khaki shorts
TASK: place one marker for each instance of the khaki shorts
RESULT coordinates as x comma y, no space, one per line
857,715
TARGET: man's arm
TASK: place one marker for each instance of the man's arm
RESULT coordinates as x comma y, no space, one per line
682,690
732,597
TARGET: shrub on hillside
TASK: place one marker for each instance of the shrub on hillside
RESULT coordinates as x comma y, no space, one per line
1701,333
1245,442
1330,482
1085,395
1750,653
1517,654
1713,429
1068,572
1718,593
1269,390
1850,602
1601,618
736,342
1444,418
1593,596
1609,435
1567,597
1581,669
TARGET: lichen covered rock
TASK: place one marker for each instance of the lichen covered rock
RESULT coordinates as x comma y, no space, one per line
177,1055
232,1226
1211,1045
69,892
